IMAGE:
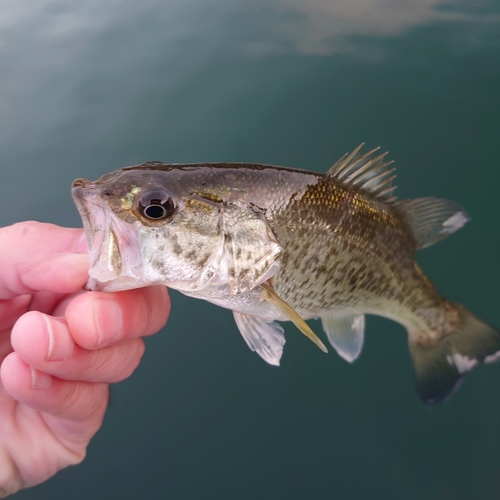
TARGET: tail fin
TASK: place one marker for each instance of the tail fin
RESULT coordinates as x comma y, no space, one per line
439,366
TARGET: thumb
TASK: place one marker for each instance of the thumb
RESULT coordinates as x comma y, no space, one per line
35,256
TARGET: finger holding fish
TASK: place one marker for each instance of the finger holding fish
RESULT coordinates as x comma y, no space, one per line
107,348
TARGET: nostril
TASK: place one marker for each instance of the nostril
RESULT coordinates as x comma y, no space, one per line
80,182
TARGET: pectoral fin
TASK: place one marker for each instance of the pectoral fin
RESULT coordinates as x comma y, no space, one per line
346,333
272,297
266,339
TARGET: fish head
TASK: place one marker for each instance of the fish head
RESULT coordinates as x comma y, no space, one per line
142,230
148,225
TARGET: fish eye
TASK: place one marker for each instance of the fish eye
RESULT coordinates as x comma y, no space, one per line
156,205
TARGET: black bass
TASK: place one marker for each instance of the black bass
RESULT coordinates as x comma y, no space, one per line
275,244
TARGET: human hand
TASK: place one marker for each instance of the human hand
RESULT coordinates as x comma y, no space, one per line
60,349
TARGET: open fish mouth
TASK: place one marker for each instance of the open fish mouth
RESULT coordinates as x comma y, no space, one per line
114,247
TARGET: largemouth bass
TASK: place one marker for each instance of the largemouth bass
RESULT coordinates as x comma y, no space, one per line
275,244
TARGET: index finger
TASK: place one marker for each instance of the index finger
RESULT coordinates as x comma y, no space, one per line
35,256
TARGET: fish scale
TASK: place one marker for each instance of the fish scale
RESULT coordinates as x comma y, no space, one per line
345,244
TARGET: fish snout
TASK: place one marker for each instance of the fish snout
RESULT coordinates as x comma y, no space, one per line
80,183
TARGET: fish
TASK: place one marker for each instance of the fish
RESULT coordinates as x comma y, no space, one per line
277,244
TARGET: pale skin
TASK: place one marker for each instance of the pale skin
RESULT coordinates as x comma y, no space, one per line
60,349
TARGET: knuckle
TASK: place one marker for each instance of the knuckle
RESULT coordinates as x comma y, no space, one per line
27,266
24,232
81,401
130,361
80,315
75,456
20,236
156,310
116,363
101,364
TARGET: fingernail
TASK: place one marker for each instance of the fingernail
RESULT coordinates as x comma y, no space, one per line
60,343
40,380
108,319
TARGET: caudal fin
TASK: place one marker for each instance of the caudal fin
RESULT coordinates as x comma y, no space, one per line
439,366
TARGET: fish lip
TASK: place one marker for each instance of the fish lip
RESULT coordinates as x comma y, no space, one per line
100,225
95,219
77,193
117,284
93,285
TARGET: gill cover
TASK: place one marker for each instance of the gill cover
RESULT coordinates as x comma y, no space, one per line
249,253
250,249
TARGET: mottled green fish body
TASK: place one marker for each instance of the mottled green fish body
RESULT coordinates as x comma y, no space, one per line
274,243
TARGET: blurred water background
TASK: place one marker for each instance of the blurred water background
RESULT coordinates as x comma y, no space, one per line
88,87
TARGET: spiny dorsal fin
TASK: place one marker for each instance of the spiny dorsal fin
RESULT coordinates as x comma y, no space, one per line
367,171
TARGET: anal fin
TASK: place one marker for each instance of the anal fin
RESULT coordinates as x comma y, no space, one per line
345,333
273,298
266,339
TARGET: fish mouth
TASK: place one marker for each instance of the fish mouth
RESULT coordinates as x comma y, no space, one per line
114,245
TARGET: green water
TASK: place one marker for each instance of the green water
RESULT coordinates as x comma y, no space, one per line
89,87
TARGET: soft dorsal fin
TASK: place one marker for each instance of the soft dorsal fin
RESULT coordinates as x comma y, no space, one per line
273,298
432,219
367,171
